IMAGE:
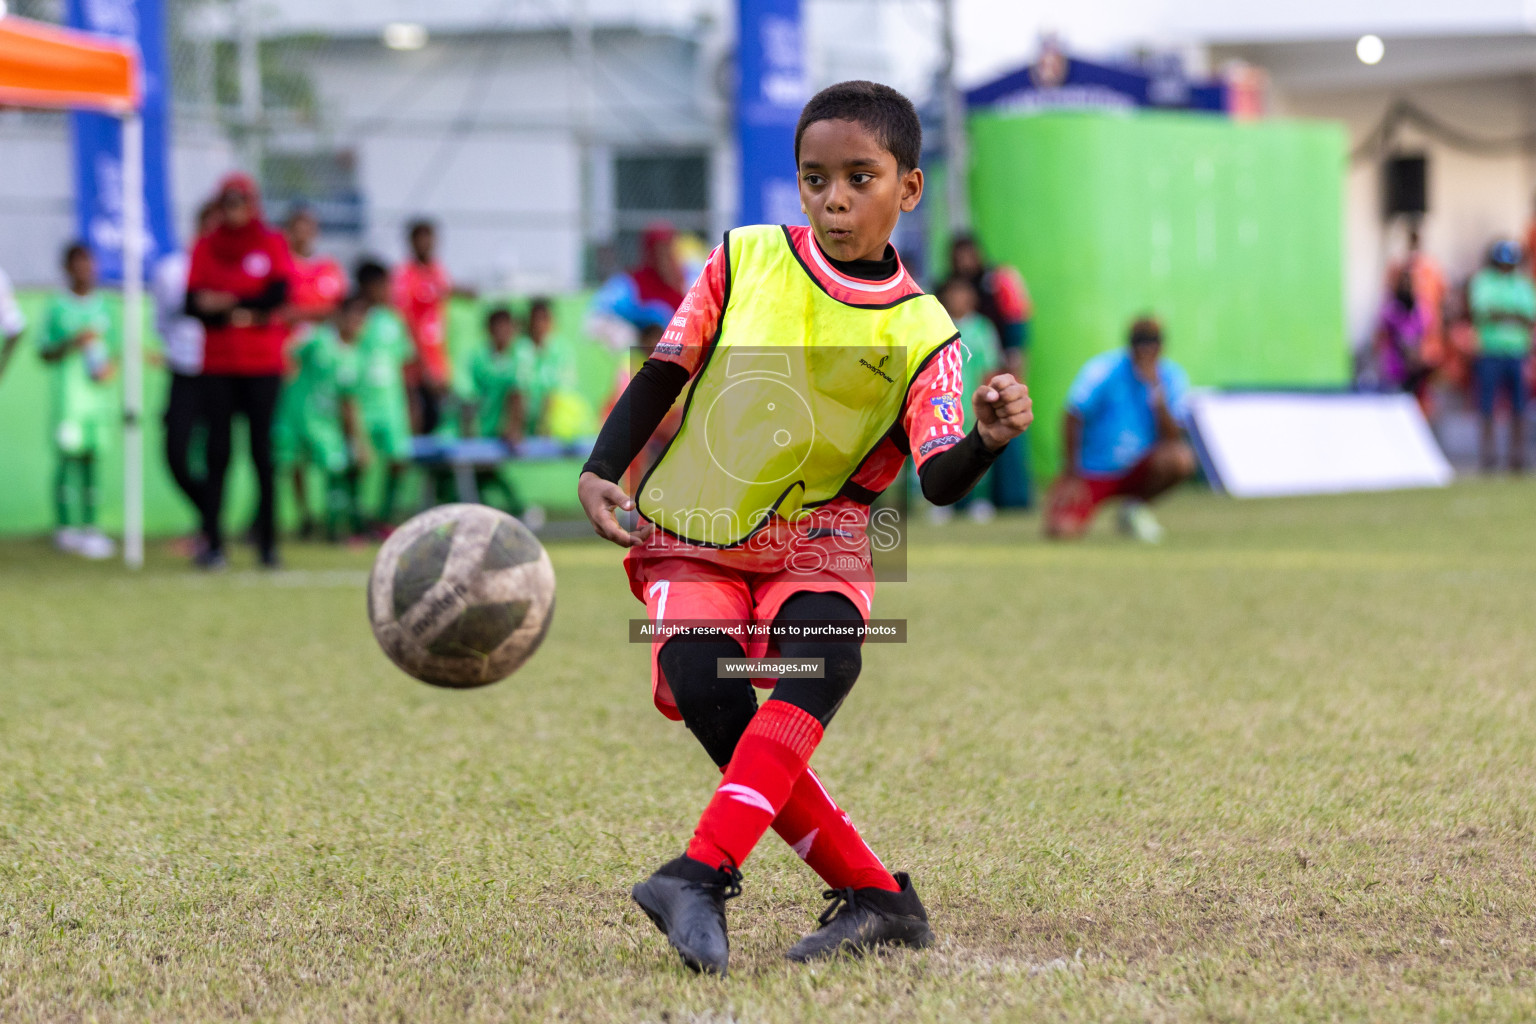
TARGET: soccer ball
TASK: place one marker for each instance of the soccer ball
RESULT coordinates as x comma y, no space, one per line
461,595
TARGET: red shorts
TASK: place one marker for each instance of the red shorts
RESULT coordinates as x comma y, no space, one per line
691,588
1067,514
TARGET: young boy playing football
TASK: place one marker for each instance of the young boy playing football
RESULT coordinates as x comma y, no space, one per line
815,366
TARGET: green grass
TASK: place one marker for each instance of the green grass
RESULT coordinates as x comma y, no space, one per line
1279,769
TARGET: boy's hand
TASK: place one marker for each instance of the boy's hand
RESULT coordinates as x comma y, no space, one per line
1003,410
599,498
215,302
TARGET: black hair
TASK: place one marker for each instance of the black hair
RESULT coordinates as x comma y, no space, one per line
369,271
418,225
73,249
539,305
882,111
951,283
1146,331
499,313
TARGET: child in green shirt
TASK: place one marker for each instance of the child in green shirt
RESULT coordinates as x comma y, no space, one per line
495,408
323,416
383,349
552,405
496,404
73,342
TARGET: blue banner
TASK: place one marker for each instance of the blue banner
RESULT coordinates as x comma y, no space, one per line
1058,82
771,88
99,139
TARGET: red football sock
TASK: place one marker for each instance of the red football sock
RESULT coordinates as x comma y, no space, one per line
770,756
820,832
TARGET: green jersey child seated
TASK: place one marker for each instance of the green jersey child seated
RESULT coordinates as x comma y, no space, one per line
552,405
495,406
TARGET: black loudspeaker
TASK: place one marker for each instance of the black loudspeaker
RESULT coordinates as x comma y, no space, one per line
1405,186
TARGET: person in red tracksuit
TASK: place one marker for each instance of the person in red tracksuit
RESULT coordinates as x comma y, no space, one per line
420,290
237,285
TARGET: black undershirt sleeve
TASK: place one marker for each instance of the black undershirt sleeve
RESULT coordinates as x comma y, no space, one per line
950,475
635,417
271,297
207,319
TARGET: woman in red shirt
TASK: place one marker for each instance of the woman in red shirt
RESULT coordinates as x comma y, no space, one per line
237,283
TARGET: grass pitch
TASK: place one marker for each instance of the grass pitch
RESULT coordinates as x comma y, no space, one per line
1278,769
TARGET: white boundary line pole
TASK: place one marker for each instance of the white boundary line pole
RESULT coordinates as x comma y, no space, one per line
133,340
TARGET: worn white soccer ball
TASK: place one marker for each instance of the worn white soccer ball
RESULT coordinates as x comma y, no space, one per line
461,595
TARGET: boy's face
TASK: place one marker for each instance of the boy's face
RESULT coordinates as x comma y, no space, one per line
376,291
959,301
965,260
538,324
349,322
852,190
81,271
303,229
235,208
1144,358
502,330
423,242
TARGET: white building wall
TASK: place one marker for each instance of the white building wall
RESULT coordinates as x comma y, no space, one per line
484,135
489,144
37,208
37,189
1473,198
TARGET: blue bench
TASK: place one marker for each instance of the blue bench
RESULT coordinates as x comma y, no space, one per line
463,457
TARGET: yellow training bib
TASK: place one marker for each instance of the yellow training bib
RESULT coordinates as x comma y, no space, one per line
796,392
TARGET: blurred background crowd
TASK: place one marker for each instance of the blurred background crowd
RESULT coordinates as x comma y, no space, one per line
411,254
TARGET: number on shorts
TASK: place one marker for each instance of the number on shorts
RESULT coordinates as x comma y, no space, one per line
660,587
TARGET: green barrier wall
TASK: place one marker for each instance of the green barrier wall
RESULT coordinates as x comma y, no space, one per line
26,456
1230,233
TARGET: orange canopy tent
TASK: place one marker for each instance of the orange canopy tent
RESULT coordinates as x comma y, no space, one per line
45,66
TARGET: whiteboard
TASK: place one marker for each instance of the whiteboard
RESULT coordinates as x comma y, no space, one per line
1270,445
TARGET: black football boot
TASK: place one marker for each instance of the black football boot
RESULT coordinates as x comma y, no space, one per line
859,920
685,898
